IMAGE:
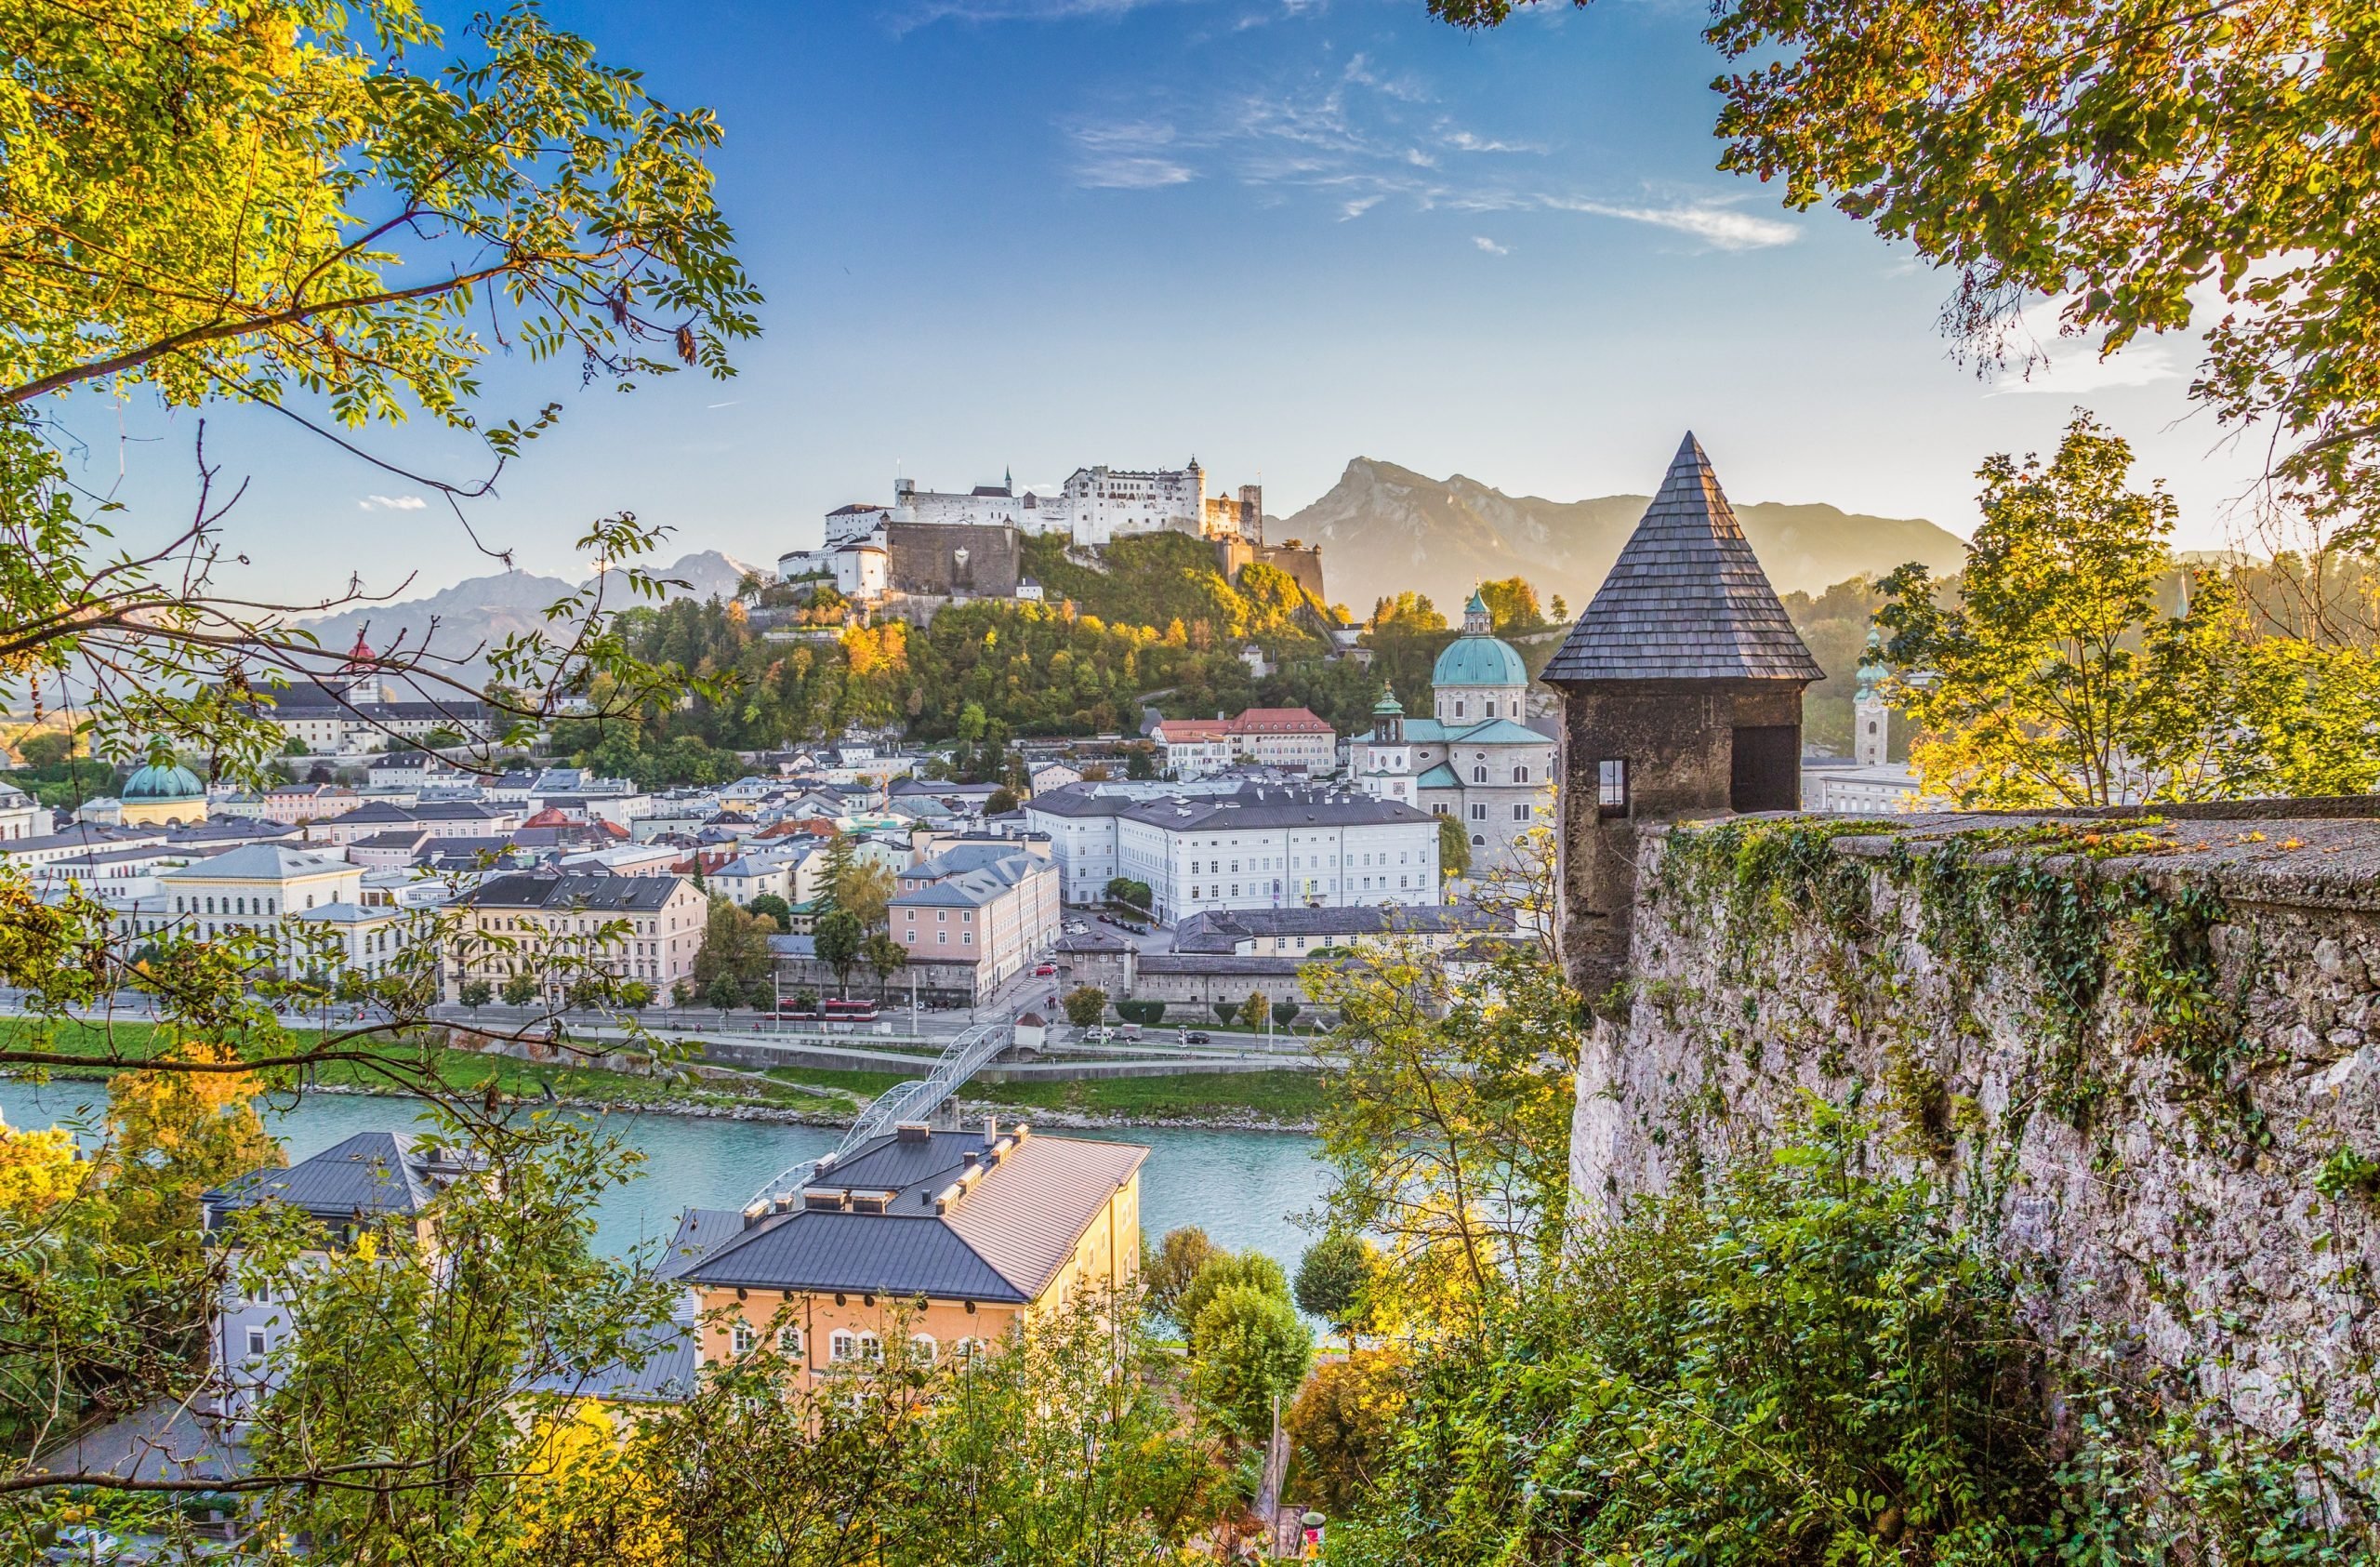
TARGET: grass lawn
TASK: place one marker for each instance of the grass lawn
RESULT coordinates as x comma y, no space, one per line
107,1047
1281,1096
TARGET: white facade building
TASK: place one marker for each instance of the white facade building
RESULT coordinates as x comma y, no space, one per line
19,817
1094,506
1253,846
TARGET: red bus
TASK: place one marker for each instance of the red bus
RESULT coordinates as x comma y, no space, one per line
840,1011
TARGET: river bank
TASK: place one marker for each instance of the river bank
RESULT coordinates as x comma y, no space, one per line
1287,1101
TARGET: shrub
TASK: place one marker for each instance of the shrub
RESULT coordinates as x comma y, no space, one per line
1332,1276
1805,1364
1227,1270
1225,1011
1285,1013
1345,1423
1253,1350
1148,1014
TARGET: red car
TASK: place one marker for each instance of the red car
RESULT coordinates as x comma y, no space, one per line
1045,970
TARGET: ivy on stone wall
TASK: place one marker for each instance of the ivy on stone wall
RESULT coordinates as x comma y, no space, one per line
2110,959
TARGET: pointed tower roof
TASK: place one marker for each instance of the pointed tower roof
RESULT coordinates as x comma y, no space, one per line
1687,600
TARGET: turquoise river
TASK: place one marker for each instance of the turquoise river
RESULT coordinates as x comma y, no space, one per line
1242,1187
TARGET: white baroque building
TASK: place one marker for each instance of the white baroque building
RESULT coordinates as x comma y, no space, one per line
1472,758
1248,846
1093,507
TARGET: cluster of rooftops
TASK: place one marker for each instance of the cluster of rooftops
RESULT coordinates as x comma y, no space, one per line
987,1214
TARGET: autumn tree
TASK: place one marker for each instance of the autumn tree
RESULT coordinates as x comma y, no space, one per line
735,948
2164,166
1447,1129
1169,1265
1513,606
2054,673
841,941
1085,1004
1346,1423
183,1132
1252,1352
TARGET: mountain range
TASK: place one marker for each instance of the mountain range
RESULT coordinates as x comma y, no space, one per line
1385,529
479,612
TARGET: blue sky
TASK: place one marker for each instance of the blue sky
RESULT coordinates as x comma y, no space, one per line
1029,234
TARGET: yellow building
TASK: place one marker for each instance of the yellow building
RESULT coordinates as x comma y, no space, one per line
953,1239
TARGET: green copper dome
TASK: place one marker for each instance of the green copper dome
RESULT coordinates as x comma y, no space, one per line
163,780
1479,660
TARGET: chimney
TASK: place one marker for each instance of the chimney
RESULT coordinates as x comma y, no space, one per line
971,1157
991,1130
912,1131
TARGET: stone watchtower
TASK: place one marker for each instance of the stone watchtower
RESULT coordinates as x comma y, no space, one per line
1681,696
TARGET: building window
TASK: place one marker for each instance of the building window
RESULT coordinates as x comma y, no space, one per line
1520,775
1520,811
1478,842
841,1347
1479,774
256,1343
1480,810
789,1342
741,1338
1611,787
871,1349
923,1349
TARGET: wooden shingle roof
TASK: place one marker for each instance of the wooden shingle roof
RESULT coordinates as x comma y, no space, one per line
1687,599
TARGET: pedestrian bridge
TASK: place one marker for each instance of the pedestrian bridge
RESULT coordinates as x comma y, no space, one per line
913,1100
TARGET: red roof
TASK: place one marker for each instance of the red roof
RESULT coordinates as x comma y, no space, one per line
1255,721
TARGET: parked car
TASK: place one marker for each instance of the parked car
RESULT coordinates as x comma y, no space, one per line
1045,971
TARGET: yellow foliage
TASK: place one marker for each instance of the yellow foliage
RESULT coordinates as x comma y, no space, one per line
585,1487
38,1171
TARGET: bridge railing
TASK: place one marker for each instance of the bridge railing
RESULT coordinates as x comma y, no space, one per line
913,1100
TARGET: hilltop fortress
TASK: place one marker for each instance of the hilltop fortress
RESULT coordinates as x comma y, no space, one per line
963,544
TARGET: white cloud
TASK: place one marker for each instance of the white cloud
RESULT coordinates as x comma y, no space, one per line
1465,141
1131,174
1489,246
2041,360
1719,227
391,503
1351,136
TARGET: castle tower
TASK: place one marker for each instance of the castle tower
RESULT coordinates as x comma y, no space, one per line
1871,721
1681,696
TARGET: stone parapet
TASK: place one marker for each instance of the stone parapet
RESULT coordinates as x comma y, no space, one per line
2144,1052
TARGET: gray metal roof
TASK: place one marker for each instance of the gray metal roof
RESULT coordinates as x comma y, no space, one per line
1219,931
600,893
664,1367
1004,1240
862,1253
370,1173
1687,599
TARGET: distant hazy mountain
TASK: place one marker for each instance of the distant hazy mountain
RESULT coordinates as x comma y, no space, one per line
1385,529
479,612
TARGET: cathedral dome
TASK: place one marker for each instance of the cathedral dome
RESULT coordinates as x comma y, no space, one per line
164,781
1479,659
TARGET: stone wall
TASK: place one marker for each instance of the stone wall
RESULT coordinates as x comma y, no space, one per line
2145,1054
926,559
